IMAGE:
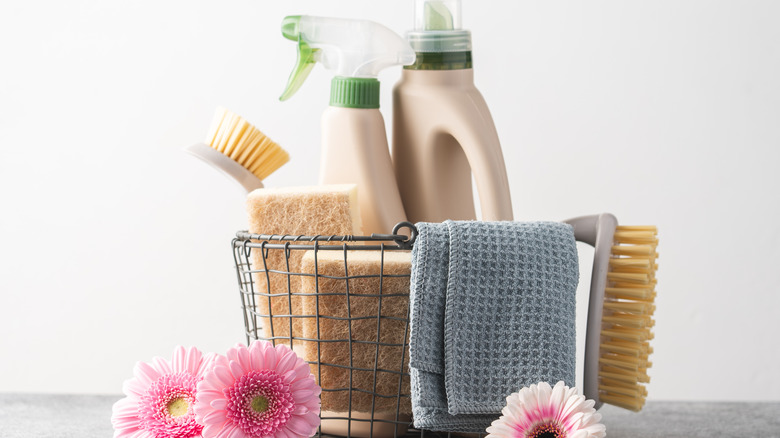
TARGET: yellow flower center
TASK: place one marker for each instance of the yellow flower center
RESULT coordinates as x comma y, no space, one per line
178,407
259,404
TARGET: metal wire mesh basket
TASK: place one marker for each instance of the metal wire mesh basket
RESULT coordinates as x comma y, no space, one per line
341,303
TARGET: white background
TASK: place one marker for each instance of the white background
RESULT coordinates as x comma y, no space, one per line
115,245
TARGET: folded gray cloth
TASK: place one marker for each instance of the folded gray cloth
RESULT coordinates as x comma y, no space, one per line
492,309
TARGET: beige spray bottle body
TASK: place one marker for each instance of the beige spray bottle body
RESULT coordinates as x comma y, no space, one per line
355,151
443,132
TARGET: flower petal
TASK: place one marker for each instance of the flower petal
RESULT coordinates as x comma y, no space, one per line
570,406
222,373
302,369
233,432
178,359
303,395
299,426
300,409
212,429
256,358
543,395
286,362
192,360
161,365
232,354
214,417
242,357
208,396
557,398
125,433
303,384
502,429
219,403
270,358
124,411
145,374
235,369
313,417
573,422
133,387
597,430
206,363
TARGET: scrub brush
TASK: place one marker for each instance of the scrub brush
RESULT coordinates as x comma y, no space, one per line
239,150
620,310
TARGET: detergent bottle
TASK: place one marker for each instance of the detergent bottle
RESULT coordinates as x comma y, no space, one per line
443,132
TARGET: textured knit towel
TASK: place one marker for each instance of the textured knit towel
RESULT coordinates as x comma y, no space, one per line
492,310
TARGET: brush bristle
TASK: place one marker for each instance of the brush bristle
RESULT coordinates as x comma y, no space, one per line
628,318
245,144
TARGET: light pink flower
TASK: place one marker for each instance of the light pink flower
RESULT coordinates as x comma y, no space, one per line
160,397
541,411
259,391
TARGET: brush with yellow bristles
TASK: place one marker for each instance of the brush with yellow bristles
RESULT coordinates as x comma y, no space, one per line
239,150
620,310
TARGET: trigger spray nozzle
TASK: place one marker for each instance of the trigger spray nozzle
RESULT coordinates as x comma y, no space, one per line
350,48
305,62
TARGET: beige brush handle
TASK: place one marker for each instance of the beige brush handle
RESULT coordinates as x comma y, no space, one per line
598,231
226,165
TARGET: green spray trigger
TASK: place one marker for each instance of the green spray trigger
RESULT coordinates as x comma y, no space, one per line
306,61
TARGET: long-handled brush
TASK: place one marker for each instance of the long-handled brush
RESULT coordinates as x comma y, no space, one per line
620,309
239,150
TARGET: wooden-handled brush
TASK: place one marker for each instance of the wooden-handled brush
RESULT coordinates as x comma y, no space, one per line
239,150
620,309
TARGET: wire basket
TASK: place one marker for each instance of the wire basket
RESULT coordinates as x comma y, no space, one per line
342,304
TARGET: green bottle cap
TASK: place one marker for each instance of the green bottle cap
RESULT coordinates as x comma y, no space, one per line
437,37
354,92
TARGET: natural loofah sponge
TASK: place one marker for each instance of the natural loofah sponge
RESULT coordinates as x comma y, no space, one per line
308,211
353,302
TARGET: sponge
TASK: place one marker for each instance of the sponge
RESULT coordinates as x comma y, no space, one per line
378,335
297,211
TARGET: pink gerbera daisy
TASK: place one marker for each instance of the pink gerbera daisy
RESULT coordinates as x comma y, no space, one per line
544,412
259,391
160,398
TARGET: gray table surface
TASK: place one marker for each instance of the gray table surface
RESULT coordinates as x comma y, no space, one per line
87,416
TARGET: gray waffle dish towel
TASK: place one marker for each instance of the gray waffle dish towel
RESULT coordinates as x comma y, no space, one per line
492,310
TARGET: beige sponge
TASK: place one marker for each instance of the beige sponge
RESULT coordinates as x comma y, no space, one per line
357,316
307,211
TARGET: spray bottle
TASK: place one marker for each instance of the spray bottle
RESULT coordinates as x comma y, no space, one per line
442,128
354,149
354,140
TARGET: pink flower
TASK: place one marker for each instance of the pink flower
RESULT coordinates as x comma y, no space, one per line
541,411
160,398
259,391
